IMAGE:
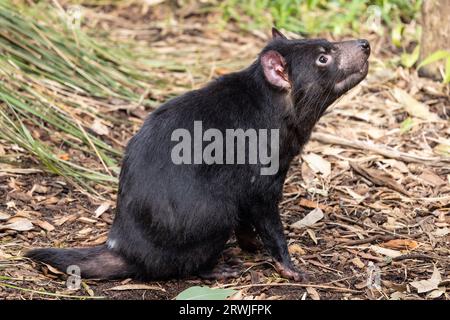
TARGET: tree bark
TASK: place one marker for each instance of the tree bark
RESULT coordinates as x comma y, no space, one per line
435,33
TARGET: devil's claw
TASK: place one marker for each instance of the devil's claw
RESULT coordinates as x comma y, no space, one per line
290,272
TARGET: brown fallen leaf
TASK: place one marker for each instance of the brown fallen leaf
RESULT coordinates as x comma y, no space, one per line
50,200
310,219
296,249
22,196
397,295
38,189
312,204
99,128
85,231
441,232
220,71
87,220
432,178
312,235
317,164
368,256
87,289
443,149
401,244
19,224
62,220
4,216
136,287
435,294
102,209
53,269
379,178
97,241
307,174
356,196
392,224
44,225
361,285
412,106
357,262
429,284
313,293
4,255
27,214
64,157
399,165
386,252
100,240
237,296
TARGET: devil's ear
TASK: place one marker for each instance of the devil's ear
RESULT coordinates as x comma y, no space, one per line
275,69
276,34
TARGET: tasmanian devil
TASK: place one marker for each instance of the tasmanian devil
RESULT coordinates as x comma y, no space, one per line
174,217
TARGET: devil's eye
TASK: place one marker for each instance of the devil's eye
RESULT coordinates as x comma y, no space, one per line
323,60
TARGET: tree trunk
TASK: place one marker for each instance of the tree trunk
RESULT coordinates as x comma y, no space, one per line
435,33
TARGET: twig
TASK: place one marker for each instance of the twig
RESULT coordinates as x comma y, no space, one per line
361,224
319,286
368,240
382,150
418,256
378,179
7,285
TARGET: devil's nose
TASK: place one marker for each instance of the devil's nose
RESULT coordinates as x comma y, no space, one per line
365,45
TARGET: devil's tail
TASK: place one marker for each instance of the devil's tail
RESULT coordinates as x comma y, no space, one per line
96,262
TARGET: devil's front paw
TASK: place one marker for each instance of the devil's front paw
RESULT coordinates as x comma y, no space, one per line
290,272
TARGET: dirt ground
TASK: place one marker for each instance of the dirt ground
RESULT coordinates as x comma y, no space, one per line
382,185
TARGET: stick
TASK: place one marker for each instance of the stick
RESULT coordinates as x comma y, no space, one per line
382,150
319,286
417,256
361,224
378,179
368,240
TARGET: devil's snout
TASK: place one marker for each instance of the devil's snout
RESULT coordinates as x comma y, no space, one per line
364,45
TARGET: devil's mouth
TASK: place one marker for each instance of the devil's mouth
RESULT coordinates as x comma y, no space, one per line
352,79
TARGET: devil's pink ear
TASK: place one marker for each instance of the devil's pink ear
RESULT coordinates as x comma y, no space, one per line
275,70
276,34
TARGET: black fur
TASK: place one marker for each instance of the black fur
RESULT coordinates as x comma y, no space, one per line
174,220
95,262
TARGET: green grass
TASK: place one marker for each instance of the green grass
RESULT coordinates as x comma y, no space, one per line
56,80
313,17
